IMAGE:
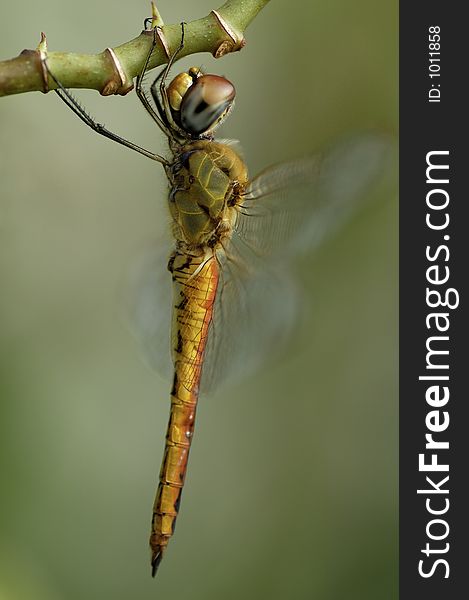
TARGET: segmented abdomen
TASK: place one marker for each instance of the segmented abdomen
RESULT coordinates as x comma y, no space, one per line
195,282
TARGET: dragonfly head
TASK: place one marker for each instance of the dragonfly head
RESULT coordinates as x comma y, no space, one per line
200,102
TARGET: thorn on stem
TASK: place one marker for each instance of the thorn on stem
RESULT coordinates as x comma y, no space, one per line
42,53
42,46
157,21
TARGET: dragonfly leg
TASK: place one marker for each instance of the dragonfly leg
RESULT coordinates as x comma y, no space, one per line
76,107
165,108
159,117
156,98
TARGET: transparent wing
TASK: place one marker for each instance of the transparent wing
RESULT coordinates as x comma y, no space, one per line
294,206
149,302
287,209
254,314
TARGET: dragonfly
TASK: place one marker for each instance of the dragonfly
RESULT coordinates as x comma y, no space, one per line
234,240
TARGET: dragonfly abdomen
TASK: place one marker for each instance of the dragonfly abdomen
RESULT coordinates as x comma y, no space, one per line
195,284
173,469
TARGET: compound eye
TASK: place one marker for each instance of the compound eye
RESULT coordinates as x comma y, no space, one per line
177,89
206,103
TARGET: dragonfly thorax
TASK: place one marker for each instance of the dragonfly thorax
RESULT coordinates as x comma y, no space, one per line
207,184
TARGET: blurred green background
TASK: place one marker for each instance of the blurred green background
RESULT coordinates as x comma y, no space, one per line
292,484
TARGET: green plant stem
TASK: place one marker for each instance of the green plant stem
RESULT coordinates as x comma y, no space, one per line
25,73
